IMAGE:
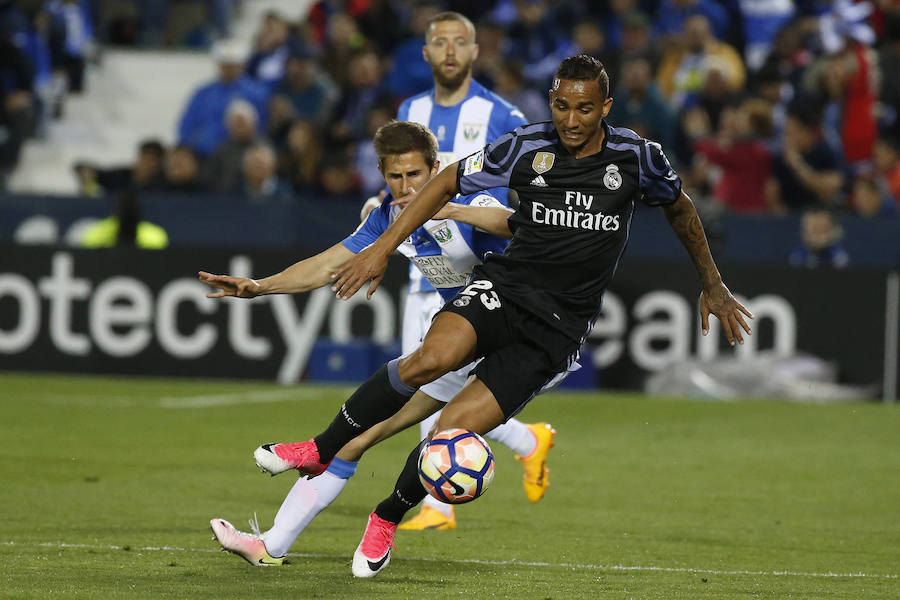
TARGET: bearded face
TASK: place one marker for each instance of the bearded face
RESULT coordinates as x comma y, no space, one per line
450,49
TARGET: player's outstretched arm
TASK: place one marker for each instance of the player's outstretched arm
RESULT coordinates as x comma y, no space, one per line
369,265
303,276
492,219
715,297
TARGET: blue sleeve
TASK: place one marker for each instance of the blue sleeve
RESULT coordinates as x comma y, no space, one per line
515,118
660,184
190,118
369,230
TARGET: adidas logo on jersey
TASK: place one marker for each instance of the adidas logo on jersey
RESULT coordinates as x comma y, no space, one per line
539,181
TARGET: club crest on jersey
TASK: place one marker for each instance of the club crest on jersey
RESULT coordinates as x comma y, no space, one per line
462,301
441,133
442,233
543,162
612,180
471,131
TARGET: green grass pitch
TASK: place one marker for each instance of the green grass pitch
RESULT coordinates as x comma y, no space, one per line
107,486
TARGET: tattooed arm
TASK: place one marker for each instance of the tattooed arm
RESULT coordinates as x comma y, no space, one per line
715,297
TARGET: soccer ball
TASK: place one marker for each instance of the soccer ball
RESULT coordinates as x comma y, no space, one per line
456,466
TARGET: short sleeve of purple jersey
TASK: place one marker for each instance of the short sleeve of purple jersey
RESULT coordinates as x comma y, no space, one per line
660,184
488,168
369,230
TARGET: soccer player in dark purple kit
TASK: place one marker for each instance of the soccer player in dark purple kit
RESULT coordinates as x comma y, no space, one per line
526,311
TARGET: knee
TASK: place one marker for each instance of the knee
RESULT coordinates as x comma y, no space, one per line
424,365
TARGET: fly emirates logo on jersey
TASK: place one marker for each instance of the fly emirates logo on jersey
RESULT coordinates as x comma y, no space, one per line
575,215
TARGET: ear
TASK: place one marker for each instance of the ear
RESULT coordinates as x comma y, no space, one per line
607,105
425,56
475,53
436,168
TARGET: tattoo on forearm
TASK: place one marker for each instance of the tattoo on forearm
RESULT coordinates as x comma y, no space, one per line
686,225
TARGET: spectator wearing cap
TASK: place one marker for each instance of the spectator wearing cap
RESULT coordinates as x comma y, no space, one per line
308,89
806,172
684,70
202,126
223,168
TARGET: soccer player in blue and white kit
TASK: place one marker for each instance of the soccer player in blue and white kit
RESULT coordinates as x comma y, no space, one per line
464,116
444,250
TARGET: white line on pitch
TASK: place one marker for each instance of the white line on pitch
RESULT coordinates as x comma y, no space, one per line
474,561
249,397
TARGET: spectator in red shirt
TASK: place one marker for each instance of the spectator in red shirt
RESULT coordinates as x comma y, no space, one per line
741,156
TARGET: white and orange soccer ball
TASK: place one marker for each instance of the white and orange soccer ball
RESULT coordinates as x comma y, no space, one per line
456,466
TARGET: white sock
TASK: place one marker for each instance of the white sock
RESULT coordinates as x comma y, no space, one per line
515,435
305,500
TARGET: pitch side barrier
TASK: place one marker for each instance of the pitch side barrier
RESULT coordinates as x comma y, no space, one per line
205,221
145,313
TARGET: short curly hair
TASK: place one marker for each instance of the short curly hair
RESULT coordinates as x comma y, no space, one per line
583,68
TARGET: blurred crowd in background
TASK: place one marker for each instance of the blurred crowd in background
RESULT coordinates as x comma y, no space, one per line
763,106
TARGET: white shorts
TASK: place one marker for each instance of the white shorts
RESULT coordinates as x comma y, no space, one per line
418,312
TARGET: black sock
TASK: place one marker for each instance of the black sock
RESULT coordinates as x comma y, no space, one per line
374,401
408,491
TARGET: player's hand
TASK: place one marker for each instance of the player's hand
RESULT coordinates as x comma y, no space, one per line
368,265
239,287
719,301
404,200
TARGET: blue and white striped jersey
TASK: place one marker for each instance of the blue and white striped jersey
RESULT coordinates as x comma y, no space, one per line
462,129
444,251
